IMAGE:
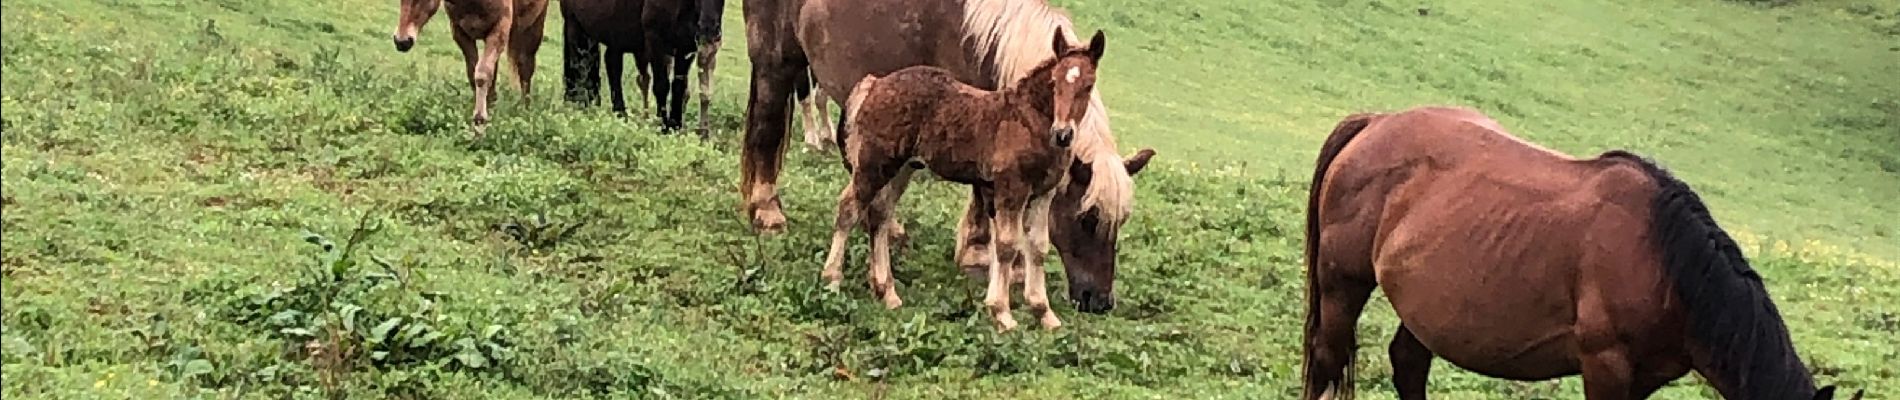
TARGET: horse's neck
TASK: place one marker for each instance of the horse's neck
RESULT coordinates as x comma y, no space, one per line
1032,99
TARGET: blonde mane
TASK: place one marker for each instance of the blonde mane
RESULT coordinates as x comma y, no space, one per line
1014,36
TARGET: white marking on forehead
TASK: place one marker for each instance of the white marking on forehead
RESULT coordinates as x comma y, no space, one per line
1073,72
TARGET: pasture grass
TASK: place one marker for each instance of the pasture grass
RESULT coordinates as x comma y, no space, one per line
230,198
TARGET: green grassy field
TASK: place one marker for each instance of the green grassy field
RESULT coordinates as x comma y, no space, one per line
175,171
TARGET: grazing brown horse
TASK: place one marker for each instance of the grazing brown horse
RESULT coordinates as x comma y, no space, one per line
1012,145
1518,262
513,25
832,44
664,36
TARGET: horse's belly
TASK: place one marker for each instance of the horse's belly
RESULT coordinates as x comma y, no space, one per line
1499,327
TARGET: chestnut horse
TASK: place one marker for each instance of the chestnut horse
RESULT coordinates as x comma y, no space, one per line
1012,145
1517,262
663,36
832,44
513,25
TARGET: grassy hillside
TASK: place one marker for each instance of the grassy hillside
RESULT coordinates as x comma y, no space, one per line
231,198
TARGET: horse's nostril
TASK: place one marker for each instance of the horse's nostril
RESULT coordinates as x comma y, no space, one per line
404,44
1092,302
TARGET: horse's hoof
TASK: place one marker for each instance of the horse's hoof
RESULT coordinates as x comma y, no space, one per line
975,257
831,285
891,301
768,220
1050,322
1005,323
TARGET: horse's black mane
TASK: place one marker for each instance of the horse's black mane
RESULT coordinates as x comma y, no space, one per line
1745,347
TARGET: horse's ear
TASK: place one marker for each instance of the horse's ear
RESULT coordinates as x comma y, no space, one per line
1060,44
1139,161
1097,45
1826,393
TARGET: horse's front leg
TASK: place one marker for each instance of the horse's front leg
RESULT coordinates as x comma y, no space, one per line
1608,370
471,56
1034,250
887,200
1011,206
617,64
973,252
484,77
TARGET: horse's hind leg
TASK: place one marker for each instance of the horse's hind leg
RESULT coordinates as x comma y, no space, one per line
642,77
662,67
882,219
850,212
580,69
817,135
676,112
1341,299
1411,364
816,108
854,203
763,154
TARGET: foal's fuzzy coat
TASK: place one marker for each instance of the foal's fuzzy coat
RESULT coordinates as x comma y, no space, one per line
1011,144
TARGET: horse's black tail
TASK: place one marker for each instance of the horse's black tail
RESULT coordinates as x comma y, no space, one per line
1343,133
1747,349
580,63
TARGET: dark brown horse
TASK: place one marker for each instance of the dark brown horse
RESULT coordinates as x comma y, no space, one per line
832,44
1012,145
512,25
1518,262
663,36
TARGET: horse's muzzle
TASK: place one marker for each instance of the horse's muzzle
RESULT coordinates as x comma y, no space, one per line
1063,137
403,44
1093,302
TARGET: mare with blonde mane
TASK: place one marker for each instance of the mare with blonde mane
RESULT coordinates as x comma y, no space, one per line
831,44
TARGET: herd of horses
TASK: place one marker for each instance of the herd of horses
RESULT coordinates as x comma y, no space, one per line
1501,256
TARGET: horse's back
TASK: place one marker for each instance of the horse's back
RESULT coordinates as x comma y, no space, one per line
899,103
1468,228
845,40
615,23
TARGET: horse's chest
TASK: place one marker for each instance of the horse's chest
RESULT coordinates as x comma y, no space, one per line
477,26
